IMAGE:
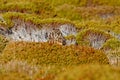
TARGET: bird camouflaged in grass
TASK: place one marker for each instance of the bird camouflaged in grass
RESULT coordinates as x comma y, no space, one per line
2,21
55,36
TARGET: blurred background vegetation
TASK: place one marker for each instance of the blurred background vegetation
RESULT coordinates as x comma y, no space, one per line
43,61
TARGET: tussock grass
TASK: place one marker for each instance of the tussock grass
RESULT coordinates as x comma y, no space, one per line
91,36
34,19
112,44
44,53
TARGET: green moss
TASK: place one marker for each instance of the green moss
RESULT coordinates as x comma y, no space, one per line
70,37
10,16
22,6
37,7
82,37
60,9
112,44
113,48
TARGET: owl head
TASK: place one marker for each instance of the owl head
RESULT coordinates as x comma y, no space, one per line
2,21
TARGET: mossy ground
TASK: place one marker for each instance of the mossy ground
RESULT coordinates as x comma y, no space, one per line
52,54
53,61
90,72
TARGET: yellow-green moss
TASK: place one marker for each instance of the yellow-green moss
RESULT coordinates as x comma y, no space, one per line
70,37
112,48
10,16
81,36
112,44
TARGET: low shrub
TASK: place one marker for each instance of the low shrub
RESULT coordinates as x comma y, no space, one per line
92,37
52,54
111,44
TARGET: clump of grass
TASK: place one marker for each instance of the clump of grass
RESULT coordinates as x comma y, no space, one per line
21,7
85,24
31,7
112,44
93,37
18,70
10,16
60,9
31,18
112,50
112,47
47,54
